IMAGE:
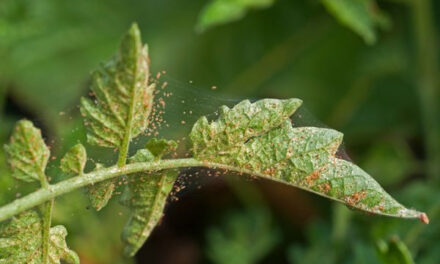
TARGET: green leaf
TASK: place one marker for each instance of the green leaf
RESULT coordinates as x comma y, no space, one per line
394,252
146,195
74,160
218,12
259,139
123,95
100,193
27,154
361,16
160,147
21,241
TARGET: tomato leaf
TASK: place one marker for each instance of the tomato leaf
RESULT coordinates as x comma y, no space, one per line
21,241
259,139
27,154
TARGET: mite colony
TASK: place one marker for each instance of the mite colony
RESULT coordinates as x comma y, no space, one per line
156,122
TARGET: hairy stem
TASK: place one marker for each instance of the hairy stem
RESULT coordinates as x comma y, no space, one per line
47,219
45,194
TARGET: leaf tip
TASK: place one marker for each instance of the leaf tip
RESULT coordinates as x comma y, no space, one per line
134,30
292,104
424,218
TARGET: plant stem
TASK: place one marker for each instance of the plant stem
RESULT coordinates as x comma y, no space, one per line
47,219
428,83
51,191
45,194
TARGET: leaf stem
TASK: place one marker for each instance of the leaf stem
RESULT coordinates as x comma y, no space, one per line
45,194
47,219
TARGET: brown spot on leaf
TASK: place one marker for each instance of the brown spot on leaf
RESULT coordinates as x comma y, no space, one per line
325,187
355,197
311,178
270,171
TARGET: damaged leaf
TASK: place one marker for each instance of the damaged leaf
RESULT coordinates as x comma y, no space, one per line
123,96
146,196
27,154
21,241
259,139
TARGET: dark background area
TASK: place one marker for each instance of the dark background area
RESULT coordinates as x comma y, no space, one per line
383,95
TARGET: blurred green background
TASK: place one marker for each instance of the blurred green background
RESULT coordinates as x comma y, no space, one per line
369,69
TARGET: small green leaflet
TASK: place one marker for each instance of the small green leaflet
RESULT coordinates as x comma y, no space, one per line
259,139
160,147
27,154
218,12
146,195
74,160
20,242
123,95
100,193
361,16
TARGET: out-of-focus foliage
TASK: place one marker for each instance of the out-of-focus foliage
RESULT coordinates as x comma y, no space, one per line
218,12
391,161
362,16
394,252
243,237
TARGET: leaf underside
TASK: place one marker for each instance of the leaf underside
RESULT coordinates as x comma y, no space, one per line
27,154
259,139
21,241
122,96
146,196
